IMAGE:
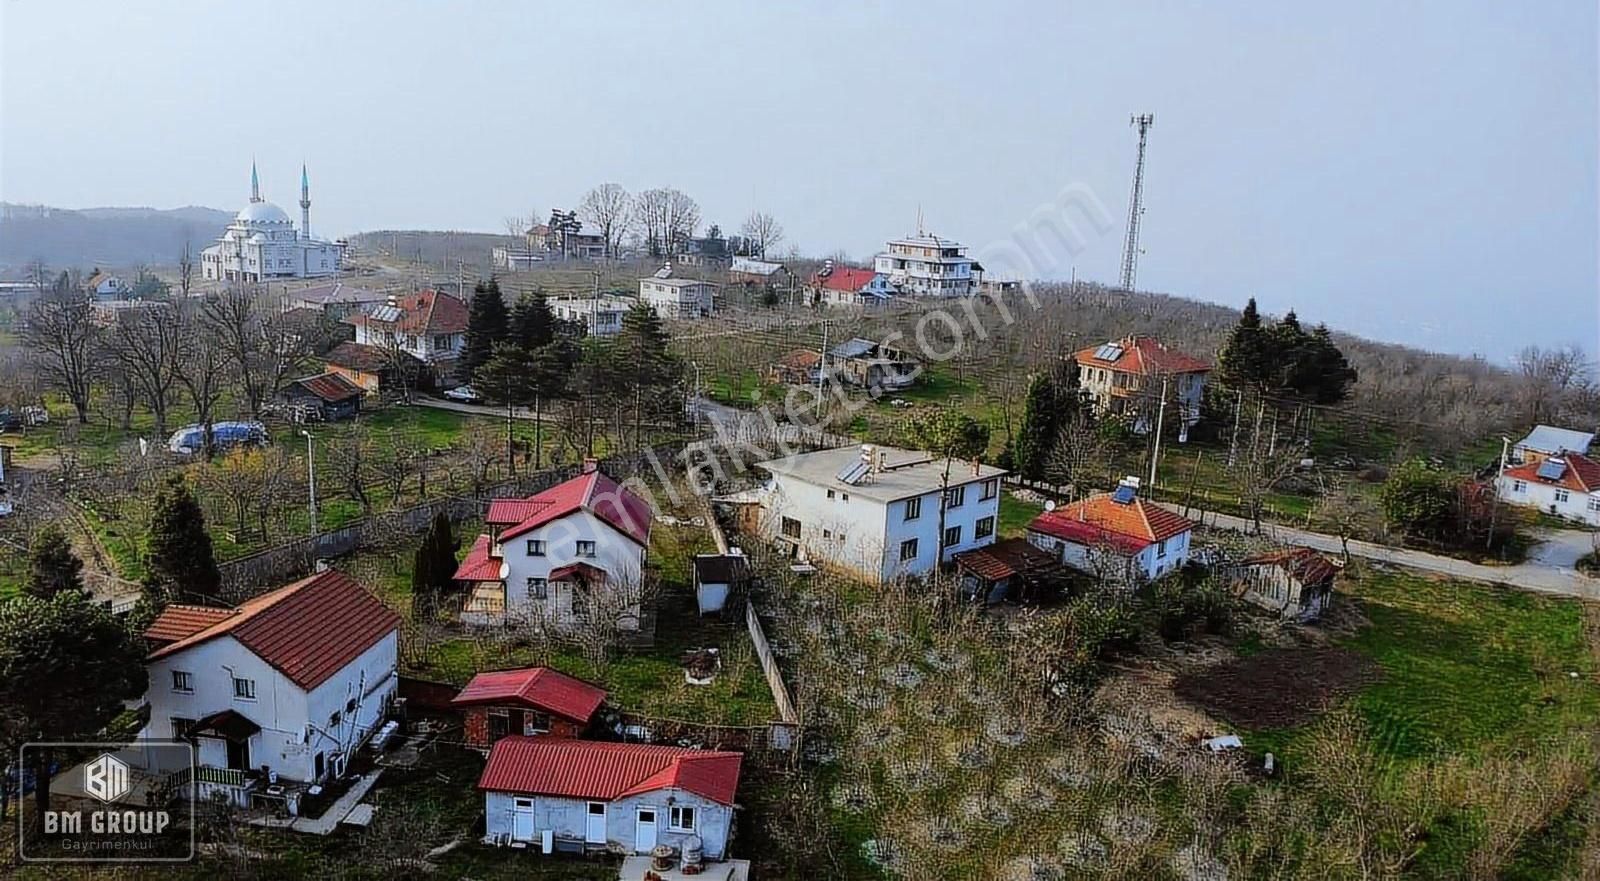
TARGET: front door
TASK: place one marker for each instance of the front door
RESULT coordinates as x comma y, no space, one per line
239,755
522,819
644,836
594,832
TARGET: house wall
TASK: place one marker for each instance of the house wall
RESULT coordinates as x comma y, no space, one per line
371,681
1148,564
1584,507
568,818
669,301
367,381
475,724
616,553
874,530
1275,590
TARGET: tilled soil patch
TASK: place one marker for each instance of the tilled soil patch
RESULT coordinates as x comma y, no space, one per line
1278,688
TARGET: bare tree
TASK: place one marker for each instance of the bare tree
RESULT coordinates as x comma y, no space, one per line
204,359
666,218
1549,374
349,461
1344,509
148,345
62,334
1259,470
185,270
606,208
761,233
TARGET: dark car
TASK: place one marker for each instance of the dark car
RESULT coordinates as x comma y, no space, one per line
10,420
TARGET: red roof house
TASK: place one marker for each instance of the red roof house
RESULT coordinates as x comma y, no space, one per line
1142,355
1151,539
533,700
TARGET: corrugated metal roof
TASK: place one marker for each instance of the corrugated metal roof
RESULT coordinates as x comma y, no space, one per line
479,565
602,496
607,771
1549,439
538,687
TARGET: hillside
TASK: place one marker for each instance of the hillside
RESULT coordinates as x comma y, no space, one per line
103,236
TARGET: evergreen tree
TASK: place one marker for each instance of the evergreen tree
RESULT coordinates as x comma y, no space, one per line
433,567
533,325
1325,376
52,566
1041,421
1246,358
179,556
487,324
644,375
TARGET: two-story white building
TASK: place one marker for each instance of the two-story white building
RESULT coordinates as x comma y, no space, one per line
277,692
1564,484
598,316
428,325
575,550
1127,376
878,511
926,265
677,297
1118,536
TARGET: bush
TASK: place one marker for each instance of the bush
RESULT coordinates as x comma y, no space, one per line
1419,499
1189,603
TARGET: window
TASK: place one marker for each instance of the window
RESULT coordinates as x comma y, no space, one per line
499,724
1161,549
844,497
180,727
952,536
537,588
1519,486
1594,505
913,508
983,528
790,528
535,547
1562,495
681,819
955,497
827,533
991,488
535,723
585,548
244,689
183,681
441,342
830,493
908,550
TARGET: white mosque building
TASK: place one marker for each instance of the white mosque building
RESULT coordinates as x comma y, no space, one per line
262,243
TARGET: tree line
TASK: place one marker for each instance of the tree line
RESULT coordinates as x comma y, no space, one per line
659,222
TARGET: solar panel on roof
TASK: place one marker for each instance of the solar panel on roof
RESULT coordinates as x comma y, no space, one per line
1124,495
1552,469
853,472
1108,352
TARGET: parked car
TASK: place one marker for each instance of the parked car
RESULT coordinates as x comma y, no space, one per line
466,394
10,420
224,436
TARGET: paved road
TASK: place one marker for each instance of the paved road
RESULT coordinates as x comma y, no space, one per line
1548,568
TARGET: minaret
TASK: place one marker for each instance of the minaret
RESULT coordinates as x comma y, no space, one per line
255,183
305,203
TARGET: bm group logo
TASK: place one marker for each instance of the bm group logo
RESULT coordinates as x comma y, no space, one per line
108,803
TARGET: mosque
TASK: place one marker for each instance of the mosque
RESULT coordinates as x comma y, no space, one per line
262,243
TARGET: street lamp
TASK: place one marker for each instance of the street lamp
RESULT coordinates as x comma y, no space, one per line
311,479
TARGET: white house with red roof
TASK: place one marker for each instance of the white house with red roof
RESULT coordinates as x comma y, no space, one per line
429,325
1116,536
847,286
558,557
590,795
287,685
528,701
1127,376
1565,484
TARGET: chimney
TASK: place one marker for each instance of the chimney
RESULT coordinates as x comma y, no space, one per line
591,465
977,467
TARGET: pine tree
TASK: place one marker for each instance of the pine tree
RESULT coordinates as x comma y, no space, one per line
487,324
1327,373
1041,421
179,556
644,375
1246,360
533,325
52,566
433,567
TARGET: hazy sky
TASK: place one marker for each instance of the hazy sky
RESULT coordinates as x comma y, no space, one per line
1423,172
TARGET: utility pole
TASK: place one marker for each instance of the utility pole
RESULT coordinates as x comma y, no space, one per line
1130,248
1233,444
1155,454
311,480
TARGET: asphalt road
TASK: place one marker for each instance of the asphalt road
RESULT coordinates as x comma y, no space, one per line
1548,569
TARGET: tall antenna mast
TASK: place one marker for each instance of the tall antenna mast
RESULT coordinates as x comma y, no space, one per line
1130,248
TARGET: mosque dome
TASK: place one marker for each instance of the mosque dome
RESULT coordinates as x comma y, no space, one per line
262,212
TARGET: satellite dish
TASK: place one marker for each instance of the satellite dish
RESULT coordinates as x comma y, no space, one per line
1050,506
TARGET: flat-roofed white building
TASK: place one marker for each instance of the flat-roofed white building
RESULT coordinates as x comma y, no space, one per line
929,266
876,511
677,297
599,316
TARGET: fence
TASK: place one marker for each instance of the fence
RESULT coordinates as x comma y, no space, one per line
277,565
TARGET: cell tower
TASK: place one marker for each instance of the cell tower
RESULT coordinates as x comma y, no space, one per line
1130,248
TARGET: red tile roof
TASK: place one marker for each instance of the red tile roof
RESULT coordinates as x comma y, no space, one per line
593,574
1304,564
538,687
367,359
1004,559
593,492
308,630
1098,519
177,621
607,771
1582,473
510,512
425,311
844,278
330,387
479,565
1143,355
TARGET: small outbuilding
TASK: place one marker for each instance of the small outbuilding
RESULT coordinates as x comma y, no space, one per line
1011,569
718,577
528,701
1295,583
326,397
